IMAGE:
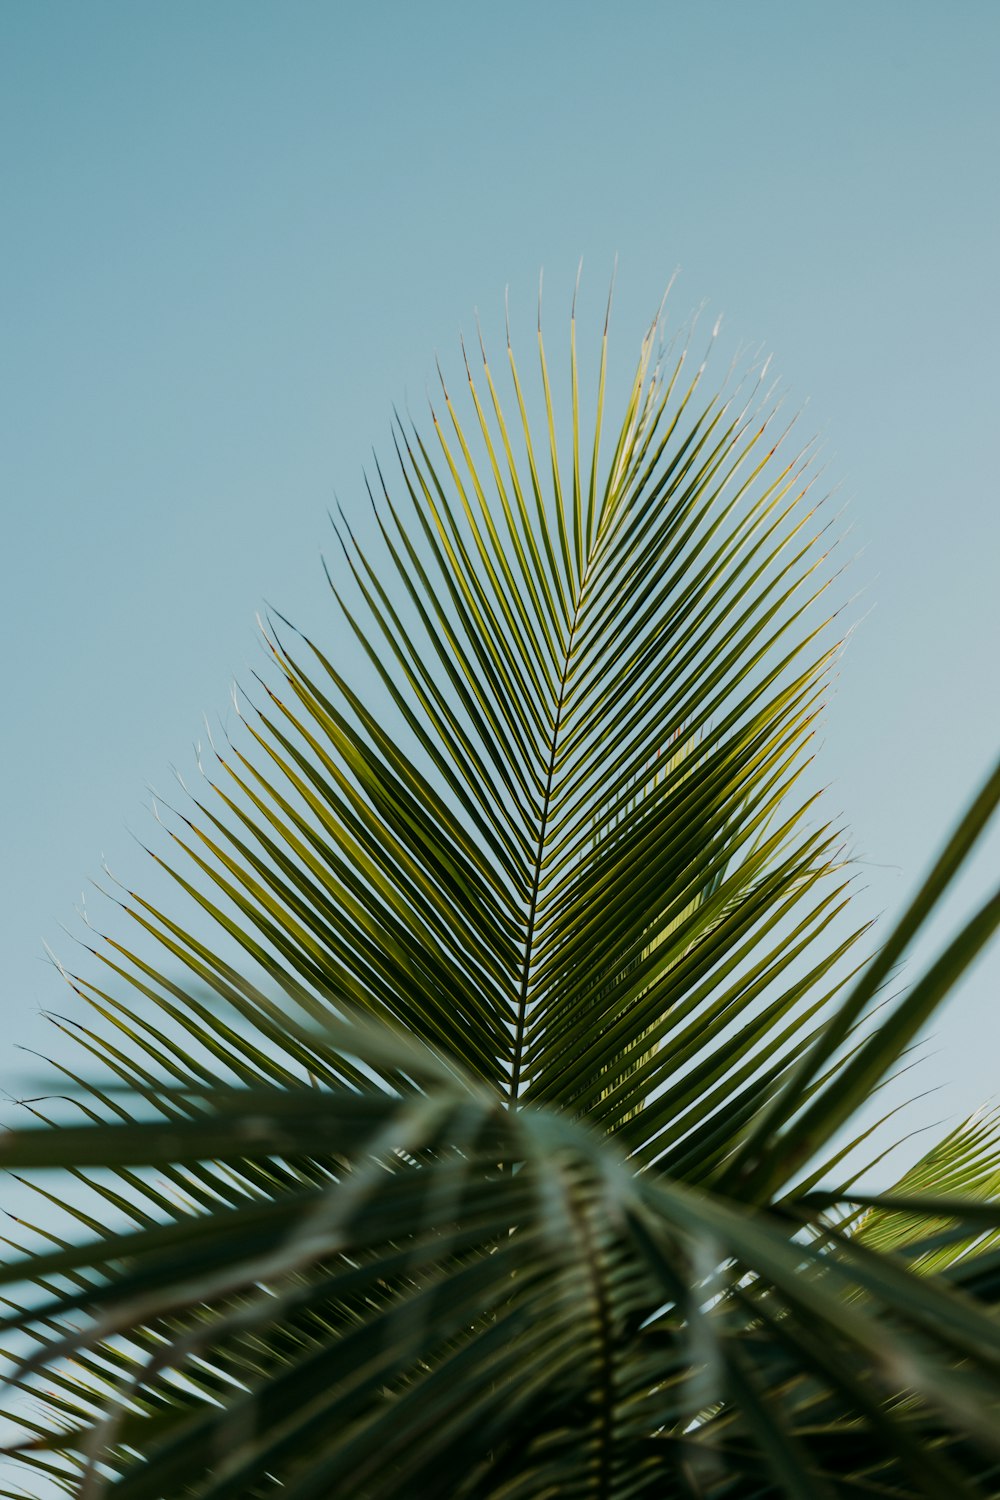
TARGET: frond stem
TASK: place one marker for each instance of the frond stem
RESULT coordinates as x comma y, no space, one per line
605,1380
522,999
529,937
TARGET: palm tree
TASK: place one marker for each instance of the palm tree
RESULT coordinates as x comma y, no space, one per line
499,1145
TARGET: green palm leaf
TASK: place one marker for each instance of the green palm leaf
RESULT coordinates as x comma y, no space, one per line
464,1161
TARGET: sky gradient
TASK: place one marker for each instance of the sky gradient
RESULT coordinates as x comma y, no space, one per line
234,235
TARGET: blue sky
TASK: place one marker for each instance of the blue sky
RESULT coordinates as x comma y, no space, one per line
236,234
233,235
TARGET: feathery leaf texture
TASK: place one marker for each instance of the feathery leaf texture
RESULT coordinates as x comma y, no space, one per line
485,1151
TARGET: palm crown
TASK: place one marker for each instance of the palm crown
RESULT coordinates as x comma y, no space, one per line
500,1165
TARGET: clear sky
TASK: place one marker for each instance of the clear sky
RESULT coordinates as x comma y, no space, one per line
234,234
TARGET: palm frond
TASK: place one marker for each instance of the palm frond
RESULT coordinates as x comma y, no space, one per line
449,1144
960,1176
